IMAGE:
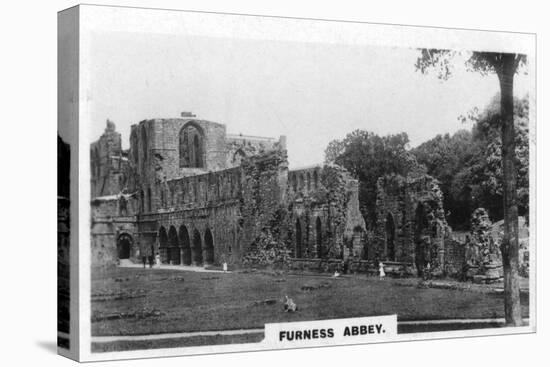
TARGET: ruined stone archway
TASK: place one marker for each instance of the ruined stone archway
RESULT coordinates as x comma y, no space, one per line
163,245
124,246
208,247
298,239
196,249
185,245
390,237
173,246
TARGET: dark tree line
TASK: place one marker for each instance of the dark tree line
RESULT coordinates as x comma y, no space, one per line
468,164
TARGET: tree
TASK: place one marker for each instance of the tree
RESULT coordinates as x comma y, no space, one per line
505,66
468,164
444,157
367,157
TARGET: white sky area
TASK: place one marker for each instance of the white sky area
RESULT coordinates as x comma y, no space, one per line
310,92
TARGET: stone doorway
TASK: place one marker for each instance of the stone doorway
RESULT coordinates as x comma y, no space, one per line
124,246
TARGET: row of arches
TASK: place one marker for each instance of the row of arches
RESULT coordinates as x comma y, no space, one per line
308,180
179,246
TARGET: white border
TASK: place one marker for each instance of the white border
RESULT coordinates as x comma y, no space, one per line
122,19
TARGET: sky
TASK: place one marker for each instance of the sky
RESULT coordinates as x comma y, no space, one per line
310,92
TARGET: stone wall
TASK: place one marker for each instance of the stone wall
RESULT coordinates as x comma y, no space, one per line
325,217
214,208
241,146
411,225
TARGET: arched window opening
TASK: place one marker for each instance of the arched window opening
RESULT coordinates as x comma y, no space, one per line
173,247
208,247
197,151
196,250
163,245
124,246
191,146
185,246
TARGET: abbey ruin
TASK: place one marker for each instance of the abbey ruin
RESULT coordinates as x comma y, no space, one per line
197,196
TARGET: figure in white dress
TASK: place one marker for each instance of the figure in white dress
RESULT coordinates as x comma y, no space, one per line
157,259
381,271
224,267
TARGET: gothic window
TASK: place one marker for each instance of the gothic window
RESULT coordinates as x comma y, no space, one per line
191,146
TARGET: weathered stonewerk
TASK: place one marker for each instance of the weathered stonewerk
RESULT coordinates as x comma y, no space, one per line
196,196
483,257
411,225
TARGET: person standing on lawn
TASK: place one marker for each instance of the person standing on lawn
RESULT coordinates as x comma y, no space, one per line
381,271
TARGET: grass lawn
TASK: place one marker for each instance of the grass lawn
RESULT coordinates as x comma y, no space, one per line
133,301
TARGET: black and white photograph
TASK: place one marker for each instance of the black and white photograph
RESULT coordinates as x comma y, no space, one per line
273,177
236,183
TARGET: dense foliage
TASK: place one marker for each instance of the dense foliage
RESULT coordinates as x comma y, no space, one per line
367,157
467,164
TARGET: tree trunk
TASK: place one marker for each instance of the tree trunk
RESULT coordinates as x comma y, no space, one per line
510,241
